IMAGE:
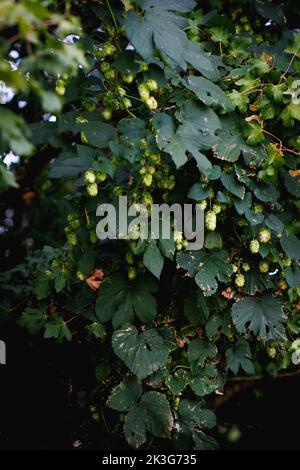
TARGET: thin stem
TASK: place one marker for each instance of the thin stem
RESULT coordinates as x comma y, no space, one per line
289,66
134,98
112,15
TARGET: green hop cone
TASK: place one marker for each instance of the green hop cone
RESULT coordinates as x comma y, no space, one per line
151,170
60,87
254,246
105,67
264,266
109,49
72,239
129,258
246,267
89,177
216,208
143,67
110,74
151,85
80,276
101,176
147,180
264,235
121,91
143,92
286,262
202,204
92,189
93,237
151,103
210,221
154,158
128,78
234,268
272,352
239,280
83,138
107,114
131,273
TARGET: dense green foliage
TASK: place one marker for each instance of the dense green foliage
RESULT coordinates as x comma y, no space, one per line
203,107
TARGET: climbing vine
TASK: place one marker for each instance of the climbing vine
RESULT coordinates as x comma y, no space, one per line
159,101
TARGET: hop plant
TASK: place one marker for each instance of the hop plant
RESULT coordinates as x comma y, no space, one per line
216,208
93,236
254,246
101,176
107,114
143,92
264,235
239,280
92,189
151,85
211,221
131,273
72,239
60,87
202,204
89,177
151,103
128,78
246,267
264,266
147,180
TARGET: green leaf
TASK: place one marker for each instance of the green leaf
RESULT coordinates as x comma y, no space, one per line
153,259
199,350
213,267
177,382
167,247
119,300
197,192
292,276
135,426
60,281
151,414
240,356
14,134
261,316
209,93
58,329
167,140
124,395
291,245
205,381
196,309
159,419
197,132
230,183
33,319
191,414
270,11
67,166
142,353
50,102
230,143
192,419
213,240
6,178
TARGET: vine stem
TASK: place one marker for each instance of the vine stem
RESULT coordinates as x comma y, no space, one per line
112,15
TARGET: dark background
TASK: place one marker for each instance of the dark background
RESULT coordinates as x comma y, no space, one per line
40,409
